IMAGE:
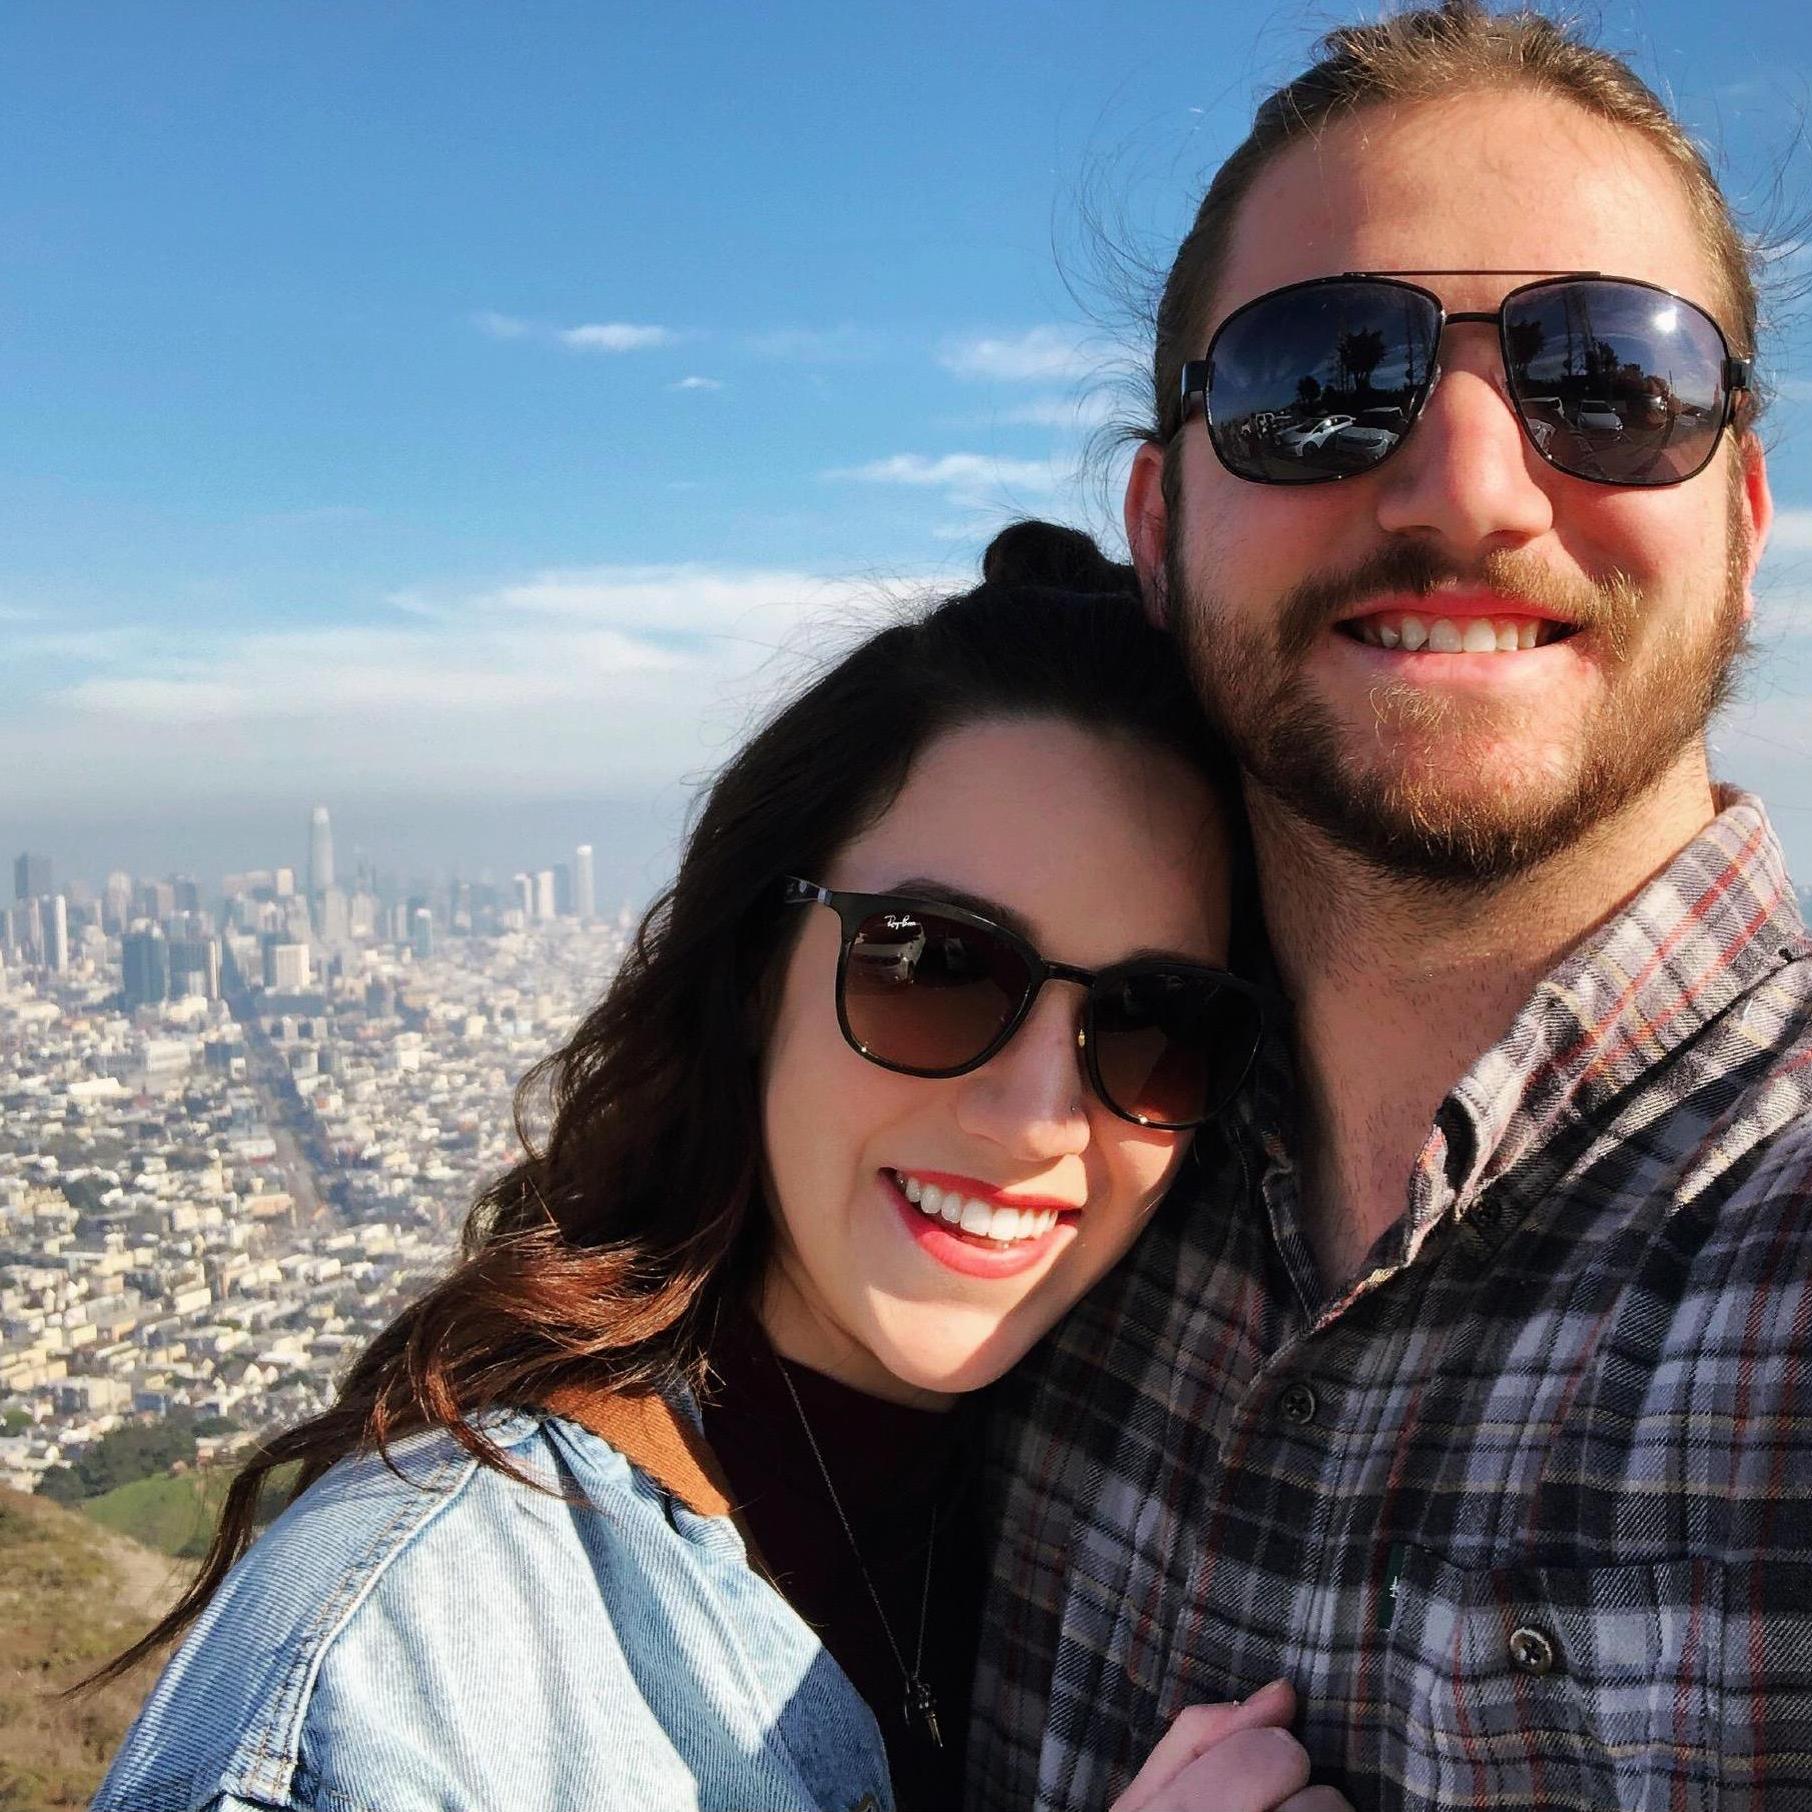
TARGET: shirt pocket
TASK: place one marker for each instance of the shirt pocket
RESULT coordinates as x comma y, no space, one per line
1552,1688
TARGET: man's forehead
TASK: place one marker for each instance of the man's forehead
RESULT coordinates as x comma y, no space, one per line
1493,181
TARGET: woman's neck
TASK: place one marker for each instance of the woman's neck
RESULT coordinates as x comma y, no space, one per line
803,1335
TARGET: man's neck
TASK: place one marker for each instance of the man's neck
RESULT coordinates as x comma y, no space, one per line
1398,987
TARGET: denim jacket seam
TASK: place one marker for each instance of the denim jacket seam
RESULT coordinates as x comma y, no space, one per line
273,1747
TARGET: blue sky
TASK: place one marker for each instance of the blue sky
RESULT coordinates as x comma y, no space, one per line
467,414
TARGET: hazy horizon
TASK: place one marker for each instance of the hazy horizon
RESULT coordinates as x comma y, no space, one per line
465,425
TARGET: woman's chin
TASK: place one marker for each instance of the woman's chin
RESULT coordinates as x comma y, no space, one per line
935,1359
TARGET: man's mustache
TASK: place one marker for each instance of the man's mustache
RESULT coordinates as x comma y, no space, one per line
1608,607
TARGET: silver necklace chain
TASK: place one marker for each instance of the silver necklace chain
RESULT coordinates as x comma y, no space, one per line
920,1706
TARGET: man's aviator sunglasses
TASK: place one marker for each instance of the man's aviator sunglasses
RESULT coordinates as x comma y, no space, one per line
1614,381
931,989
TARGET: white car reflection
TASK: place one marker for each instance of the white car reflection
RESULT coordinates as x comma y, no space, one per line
1313,436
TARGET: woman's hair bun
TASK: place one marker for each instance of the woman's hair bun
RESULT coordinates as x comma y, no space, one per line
1051,555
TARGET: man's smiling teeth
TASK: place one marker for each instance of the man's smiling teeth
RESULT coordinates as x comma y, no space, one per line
981,1218
1453,635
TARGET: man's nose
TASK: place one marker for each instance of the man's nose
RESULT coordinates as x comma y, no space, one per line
1466,476
1030,1098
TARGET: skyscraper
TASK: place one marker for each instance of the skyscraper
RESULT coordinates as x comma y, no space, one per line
320,852
332,916
116,901
585,898
31,876
544,894
56,933
194,966
146,961
285,965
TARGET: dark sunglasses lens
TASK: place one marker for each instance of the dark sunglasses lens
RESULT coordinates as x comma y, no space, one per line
1616,382
928,993
1170,1046
1320,381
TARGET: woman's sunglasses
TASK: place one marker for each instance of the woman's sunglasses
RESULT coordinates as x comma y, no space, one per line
931,989
1614,381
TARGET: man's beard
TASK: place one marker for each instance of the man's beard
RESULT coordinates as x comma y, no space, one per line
1408,817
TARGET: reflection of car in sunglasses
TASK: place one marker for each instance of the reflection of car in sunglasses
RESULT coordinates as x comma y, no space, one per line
1594,416
1366,439
1317,434
888,955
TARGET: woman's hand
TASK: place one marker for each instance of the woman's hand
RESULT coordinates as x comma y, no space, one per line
1231,1758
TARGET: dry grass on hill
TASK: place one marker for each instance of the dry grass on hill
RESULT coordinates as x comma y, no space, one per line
71,1595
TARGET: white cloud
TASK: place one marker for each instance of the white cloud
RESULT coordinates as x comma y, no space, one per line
1039,355
587,336
615,336
697,383
649,601
80,646
566,679
349,674
501,327
965,472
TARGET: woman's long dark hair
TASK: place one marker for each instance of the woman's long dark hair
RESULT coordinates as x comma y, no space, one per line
610,1250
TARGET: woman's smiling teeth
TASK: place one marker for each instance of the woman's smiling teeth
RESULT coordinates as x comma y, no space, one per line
983,1220
1453,635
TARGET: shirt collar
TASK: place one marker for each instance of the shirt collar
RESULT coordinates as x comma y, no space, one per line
1700,935
1715,922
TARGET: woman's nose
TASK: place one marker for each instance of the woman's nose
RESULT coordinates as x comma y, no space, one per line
1030,1098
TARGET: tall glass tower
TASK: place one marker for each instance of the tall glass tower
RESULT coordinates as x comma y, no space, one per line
585,898
320,852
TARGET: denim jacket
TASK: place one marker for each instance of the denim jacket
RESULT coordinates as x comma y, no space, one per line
459,1640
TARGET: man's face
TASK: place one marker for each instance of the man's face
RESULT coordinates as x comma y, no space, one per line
1458,766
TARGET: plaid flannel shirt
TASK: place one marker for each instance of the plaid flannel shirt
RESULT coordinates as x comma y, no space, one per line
1525,1510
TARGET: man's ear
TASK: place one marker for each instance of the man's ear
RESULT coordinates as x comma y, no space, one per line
1757,508
1148,527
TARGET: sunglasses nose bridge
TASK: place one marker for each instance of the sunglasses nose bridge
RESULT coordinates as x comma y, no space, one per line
1059,972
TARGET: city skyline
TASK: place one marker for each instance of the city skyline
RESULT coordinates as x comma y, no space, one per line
386,845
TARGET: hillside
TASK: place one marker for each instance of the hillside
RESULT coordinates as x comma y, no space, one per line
173,1513
71,1594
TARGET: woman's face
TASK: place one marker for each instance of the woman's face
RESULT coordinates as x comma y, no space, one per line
1100,849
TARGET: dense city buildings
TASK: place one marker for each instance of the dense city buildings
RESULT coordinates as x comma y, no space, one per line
239,1129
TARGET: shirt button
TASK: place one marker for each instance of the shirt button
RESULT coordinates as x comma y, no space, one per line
1532,1650
1297,1404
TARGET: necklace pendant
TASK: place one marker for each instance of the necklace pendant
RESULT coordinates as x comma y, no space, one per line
921,1708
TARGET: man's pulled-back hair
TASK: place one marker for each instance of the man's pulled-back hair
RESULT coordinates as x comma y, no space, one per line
1436,52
